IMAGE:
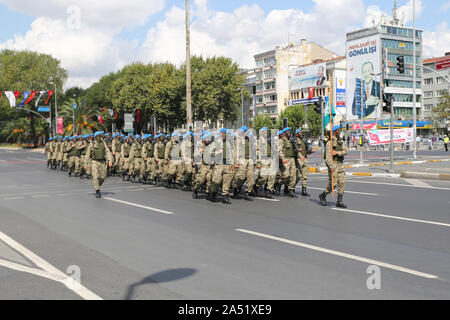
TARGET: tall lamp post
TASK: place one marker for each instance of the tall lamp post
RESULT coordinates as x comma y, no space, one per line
56,107
414,83
188,70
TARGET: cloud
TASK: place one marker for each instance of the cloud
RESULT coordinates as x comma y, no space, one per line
107,14
86,53
436,43
248,30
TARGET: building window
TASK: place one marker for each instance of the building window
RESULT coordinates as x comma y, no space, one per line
259,88
428,107
441,93
428,81
440,80
269,61
428,94
270,86
270,73
259,63
259,99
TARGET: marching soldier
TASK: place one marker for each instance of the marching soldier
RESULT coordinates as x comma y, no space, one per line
124,158
302,162
334,158
222,174
246,167
74,163
287,157
82,154
187,154
265,165
159,153
48,152
101,158
138,170
59,153
173,159
148,154
203,176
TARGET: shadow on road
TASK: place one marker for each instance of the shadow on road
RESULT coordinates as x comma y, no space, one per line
160,277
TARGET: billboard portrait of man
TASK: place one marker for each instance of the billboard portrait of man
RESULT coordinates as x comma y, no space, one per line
321,76
371,96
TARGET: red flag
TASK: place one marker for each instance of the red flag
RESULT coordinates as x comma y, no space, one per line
33,94
100,119
311,93
115,115
50,93
0,94
16,94
138,116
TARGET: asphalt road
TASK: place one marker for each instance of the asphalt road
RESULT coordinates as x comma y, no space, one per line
162,244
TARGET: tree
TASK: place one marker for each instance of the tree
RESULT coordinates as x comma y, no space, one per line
262,121
314,121
442,110
295,115
28,71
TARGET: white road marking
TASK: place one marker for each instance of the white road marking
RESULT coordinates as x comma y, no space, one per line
418,183
398,185
41,196
393,217
273,200
36,159
14,198
353,192
139,206
342,254
48,272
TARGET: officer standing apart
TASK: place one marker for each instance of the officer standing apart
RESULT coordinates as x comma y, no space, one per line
99,153
334,158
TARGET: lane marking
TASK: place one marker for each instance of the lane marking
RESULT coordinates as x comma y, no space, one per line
418,183
392,217
353,192
41,196
342,254
264,199
139,206
398,185
51,271
14,198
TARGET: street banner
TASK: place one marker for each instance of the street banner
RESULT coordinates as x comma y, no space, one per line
40,96
12,98
49,95
378,137
363,62
32,95
340,78
308,76
366,126
60,125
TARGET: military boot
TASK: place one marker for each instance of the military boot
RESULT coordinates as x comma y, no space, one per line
292,194
339,203
213,197
226,200
98,194
269,195
248,196
236,194
323,199
305,193
286,189
195,194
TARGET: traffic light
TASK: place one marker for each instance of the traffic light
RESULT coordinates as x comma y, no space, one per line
285,123
401,64
318,106
387,102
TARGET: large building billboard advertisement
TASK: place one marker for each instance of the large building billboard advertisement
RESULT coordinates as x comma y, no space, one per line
308,76
363,88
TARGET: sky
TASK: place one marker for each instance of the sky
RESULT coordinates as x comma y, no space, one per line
94,38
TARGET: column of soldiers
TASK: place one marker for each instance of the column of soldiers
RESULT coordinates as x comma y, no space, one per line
221,161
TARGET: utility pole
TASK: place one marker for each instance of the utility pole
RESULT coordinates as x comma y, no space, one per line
414,82
361,132
188,70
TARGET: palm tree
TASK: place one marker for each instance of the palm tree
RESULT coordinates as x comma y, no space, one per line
84,118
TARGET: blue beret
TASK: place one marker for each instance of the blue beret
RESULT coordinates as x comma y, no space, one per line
97,134
206,135
337,127
243,129
167,135
263,129
137,136
222,130
298,130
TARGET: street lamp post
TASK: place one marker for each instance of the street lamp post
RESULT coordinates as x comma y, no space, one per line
188,70
414,82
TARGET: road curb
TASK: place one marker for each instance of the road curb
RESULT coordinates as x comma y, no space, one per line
426,176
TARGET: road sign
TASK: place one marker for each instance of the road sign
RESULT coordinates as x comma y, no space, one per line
74,107
129,122
43,109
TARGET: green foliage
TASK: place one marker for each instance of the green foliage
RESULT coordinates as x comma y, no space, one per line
27,71
314,121
84,118
262,121
295,115
442,110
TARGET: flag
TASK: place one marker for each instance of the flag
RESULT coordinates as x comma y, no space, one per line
12,98
16,94
33,94
326,115
40,96
100,119
49,95
25,96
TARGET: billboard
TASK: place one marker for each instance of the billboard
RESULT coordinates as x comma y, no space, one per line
377,137
363,89
60,125
443,64
308,76
339,85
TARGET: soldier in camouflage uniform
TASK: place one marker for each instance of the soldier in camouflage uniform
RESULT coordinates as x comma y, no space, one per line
160,152
287,157
302,162
148,154
222,174
246,167
138,170
125,152
265,164
334,158
204,171
101,158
